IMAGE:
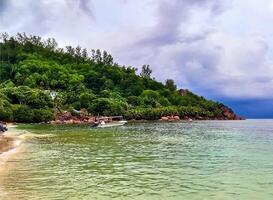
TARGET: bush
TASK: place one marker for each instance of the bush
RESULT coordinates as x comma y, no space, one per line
107,106
35,98
85,99
23,114
42,115
134,100
168,111
183,111
150,113
6,113
164,101
150,98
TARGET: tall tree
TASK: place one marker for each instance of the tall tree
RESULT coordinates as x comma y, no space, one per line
84,53
107,58
146,71
170,84
70,50
78,51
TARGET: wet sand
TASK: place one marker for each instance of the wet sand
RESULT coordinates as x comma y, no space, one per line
7,139
9,143
6,143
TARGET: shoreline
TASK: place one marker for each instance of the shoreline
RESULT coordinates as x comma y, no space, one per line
172,118
8,140
78,122
7,143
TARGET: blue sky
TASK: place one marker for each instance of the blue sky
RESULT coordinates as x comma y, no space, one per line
220,49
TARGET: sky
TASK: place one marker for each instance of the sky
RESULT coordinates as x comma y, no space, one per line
220,49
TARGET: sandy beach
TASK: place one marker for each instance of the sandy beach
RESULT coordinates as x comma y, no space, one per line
8,146
8,139
6,143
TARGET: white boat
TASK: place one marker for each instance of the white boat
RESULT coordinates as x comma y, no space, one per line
111,124
104,122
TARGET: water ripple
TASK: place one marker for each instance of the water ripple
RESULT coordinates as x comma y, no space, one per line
197,160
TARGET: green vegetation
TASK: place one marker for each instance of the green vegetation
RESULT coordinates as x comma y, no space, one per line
31,68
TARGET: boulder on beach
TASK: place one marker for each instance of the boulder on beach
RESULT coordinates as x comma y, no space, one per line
170,118
164,118
176,118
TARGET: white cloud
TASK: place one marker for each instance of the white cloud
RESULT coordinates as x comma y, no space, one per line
217,48
208,58
233,67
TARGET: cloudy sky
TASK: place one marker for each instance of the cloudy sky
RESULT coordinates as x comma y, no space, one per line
221,49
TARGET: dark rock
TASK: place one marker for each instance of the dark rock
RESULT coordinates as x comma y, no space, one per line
229,114
183,92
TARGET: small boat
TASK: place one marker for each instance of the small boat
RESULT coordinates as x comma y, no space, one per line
104,122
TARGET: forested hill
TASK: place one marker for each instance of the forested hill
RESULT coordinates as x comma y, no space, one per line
32,68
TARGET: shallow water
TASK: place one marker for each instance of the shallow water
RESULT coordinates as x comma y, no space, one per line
193,160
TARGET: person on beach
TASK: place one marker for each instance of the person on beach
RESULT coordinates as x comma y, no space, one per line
3,128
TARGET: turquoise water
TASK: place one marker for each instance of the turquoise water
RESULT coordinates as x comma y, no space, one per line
189,160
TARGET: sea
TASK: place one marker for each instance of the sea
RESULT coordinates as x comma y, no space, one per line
198,160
